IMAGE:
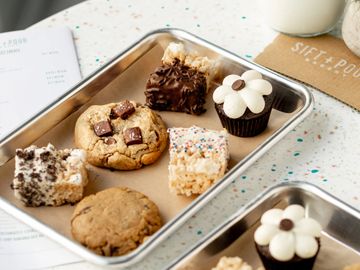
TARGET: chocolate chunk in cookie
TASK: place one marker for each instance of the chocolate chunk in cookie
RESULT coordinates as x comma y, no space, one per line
103,128
133,136
109,140
123,110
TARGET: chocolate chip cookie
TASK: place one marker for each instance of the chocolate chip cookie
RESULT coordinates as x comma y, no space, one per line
122,136
114,221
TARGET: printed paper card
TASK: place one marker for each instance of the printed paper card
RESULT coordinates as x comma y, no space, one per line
323,62
37,66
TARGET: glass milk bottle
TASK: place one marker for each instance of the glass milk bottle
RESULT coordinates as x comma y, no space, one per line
302,17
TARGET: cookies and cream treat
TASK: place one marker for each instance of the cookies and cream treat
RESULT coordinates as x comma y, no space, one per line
286,239
123,135
232,263
244,103
181,82
114,221
47,176
198,158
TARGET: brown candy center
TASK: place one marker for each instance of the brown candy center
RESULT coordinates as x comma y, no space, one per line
238,85
286,224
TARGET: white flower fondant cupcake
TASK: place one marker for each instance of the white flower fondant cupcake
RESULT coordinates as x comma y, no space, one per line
244,103
286,239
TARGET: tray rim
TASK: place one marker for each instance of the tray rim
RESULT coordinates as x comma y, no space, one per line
301,186
171,226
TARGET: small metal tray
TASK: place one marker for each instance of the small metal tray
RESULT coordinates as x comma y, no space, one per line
124,77
340,240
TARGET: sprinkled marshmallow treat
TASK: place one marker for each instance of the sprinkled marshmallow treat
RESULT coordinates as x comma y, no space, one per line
198,158
46,176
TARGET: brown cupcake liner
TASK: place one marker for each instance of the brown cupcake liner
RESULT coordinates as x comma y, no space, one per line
244,127
285,102
296,263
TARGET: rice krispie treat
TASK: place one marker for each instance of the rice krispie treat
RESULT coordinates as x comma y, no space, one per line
232,263
198,158
47,176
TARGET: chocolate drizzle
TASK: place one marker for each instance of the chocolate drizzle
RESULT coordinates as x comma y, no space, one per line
176,87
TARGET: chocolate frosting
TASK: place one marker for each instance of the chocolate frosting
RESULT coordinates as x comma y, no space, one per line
176,87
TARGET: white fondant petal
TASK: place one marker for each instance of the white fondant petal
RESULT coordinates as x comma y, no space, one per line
272,217
254,101
295,212
305,246
282,246
230,79
261,86
308,226
265,233
234,106
251,75
220,93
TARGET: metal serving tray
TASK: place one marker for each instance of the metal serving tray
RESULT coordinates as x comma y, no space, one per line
340,240
124,77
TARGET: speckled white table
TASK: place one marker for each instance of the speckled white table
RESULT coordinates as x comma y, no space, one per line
323,150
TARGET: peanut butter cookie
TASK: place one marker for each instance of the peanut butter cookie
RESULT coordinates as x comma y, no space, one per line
114,221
